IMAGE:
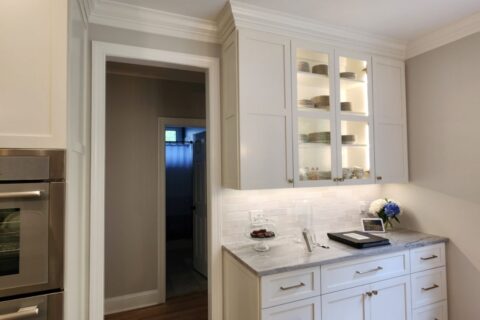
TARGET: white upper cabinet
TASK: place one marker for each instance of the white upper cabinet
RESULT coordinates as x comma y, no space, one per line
33,77
299,113
391,154
257,146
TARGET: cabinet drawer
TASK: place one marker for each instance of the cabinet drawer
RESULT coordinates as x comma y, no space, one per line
308,309
436,311
343,275
429,287
427,257
290,286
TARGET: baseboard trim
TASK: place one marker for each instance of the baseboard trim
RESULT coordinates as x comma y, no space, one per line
131,301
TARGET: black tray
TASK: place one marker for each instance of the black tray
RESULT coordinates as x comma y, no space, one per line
361,242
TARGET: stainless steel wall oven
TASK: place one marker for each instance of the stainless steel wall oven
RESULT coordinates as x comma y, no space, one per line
32,207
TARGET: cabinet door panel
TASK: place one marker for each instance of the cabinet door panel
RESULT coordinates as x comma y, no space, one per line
429,287
391,154
33,77
437,311
265,111
391,299
354,117
346,305
308,309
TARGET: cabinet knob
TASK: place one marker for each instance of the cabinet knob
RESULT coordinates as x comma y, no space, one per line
379,178
290,180
375,292
368,293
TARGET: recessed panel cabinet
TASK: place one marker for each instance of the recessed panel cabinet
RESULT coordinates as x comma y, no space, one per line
391,154
303,114
33,77
257,148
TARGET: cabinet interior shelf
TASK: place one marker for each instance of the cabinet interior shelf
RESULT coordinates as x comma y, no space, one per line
313,79
346,83
323,81
321,144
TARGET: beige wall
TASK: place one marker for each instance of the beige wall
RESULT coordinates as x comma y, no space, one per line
443,95
141,39
133,106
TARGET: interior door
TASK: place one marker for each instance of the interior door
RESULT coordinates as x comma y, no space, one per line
200,252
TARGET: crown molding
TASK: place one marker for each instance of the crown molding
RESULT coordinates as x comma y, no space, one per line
238,15
254,17
126,16
445,35
84,12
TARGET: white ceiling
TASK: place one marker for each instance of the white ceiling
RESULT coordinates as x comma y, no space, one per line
400,19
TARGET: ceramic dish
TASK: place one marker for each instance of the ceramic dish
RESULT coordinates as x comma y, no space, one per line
348,75
320,69
346,106
348,139
303,66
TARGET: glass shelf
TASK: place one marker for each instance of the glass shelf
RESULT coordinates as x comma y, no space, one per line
312,79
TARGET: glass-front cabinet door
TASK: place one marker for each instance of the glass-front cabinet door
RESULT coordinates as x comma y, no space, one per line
354,118
314,124
332,117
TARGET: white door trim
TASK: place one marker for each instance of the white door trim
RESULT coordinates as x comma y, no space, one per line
101,53
161,201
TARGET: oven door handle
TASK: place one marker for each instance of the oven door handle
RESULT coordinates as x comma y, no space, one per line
22,313
20,194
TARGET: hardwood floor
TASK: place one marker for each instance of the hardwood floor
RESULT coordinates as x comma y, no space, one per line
188,307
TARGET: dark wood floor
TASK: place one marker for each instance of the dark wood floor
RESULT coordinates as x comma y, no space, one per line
188,307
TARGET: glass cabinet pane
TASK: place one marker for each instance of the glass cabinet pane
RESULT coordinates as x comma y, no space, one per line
313,84
314,149
355,150
353,86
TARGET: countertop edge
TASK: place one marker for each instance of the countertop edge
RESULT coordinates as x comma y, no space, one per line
392,249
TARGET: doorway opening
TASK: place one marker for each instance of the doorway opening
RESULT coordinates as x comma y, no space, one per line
155,192
185,210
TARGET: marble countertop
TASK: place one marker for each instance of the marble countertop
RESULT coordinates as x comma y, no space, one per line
287,254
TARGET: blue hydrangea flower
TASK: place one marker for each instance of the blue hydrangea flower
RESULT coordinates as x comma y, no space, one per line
391,209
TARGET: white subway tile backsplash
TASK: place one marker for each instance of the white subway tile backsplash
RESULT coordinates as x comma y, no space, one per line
333,208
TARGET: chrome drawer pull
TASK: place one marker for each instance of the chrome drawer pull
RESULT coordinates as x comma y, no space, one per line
20,194
22,313
429,258
369,271
435,286
301,284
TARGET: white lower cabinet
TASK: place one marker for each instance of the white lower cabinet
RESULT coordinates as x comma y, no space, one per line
436,311
389,299
377,287
346,304
307,309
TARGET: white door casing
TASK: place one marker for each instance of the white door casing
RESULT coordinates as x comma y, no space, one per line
101,53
